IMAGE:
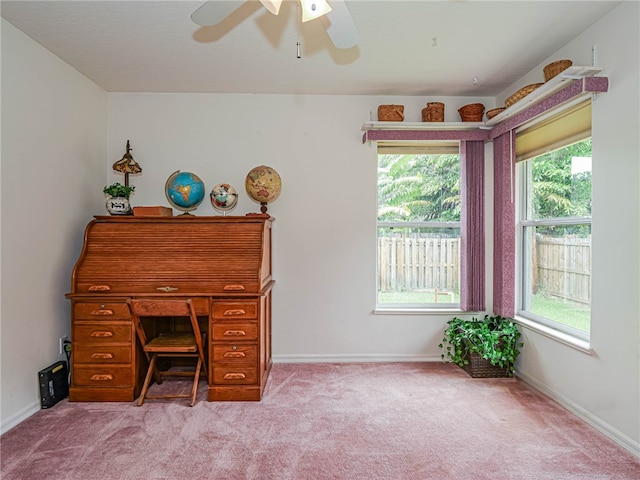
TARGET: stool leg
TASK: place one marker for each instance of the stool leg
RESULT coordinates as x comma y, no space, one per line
147,380
194,391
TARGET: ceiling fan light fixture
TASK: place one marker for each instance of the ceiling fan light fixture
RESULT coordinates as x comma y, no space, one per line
272,5
312,9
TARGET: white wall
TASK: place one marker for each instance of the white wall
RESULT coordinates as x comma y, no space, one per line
324,234
604,387
53,145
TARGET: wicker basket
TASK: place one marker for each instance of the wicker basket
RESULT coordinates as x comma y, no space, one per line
555,68
391,113
472,112
433,112
479,367
495,111
520,94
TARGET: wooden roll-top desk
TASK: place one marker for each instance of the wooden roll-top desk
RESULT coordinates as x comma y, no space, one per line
222,263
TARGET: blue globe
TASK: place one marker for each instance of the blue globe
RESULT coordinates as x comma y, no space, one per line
184,190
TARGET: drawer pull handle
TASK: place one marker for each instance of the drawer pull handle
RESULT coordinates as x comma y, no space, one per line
236,311
234,376
167,289
234,355
99,288
233,287
107,356
235,333
102,312
101,334
102,377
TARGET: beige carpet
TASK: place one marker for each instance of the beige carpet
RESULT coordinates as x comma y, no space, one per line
371,421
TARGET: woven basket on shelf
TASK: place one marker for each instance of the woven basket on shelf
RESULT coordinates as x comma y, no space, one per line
555,68
472,112
391,113
520,94
433,112
494,111
479,367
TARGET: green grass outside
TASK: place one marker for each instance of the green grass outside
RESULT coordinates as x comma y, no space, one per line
573,314
385,298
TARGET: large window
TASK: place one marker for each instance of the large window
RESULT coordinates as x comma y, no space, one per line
555,231
418,226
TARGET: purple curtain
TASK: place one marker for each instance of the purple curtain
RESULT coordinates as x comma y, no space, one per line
472,285
504,230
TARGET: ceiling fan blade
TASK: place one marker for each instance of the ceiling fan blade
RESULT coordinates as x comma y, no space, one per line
213,12
339,24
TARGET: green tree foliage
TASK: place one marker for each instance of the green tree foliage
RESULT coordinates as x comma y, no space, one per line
557,191
418,188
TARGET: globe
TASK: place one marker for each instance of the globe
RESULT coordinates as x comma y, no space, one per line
223,197
184,190
263,184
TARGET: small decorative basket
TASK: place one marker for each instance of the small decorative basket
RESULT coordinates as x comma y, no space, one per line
555,68
391,113
520,94
472,112
494,111
479,367
433,112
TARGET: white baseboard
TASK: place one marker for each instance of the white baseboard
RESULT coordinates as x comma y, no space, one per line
22,415
618,437
354,358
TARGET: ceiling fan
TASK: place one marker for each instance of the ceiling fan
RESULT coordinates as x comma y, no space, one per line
333,14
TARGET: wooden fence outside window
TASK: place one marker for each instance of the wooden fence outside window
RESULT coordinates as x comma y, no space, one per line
561,266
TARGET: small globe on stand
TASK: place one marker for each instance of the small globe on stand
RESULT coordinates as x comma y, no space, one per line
224,198
184,190
263,184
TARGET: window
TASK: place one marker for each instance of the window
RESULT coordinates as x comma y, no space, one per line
418,263
555,228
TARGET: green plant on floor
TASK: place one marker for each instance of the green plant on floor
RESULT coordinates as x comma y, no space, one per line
119,190
495,338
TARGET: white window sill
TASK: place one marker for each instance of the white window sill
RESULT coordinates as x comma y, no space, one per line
419,311
564,338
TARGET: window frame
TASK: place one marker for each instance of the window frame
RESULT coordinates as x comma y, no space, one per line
549,327
424,148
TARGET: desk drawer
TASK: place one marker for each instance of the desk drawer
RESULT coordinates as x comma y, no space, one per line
235,331
235,375
108,376
106,311
235,354
235,309
102,333
106,354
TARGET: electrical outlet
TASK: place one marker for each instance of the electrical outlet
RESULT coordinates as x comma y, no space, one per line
62,340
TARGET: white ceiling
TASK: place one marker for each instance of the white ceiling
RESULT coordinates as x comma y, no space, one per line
406,47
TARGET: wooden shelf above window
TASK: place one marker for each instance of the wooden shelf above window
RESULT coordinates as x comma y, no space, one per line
569,76
574,82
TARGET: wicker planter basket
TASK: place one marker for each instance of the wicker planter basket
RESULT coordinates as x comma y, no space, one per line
495,111
520,94
479,367
391,113
433,112
555,68
472,112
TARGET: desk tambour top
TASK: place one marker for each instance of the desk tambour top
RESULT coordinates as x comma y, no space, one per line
184,255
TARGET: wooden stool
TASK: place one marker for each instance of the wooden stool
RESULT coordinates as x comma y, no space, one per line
178,344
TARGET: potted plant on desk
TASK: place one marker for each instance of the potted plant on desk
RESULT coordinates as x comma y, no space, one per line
483,348
118,201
